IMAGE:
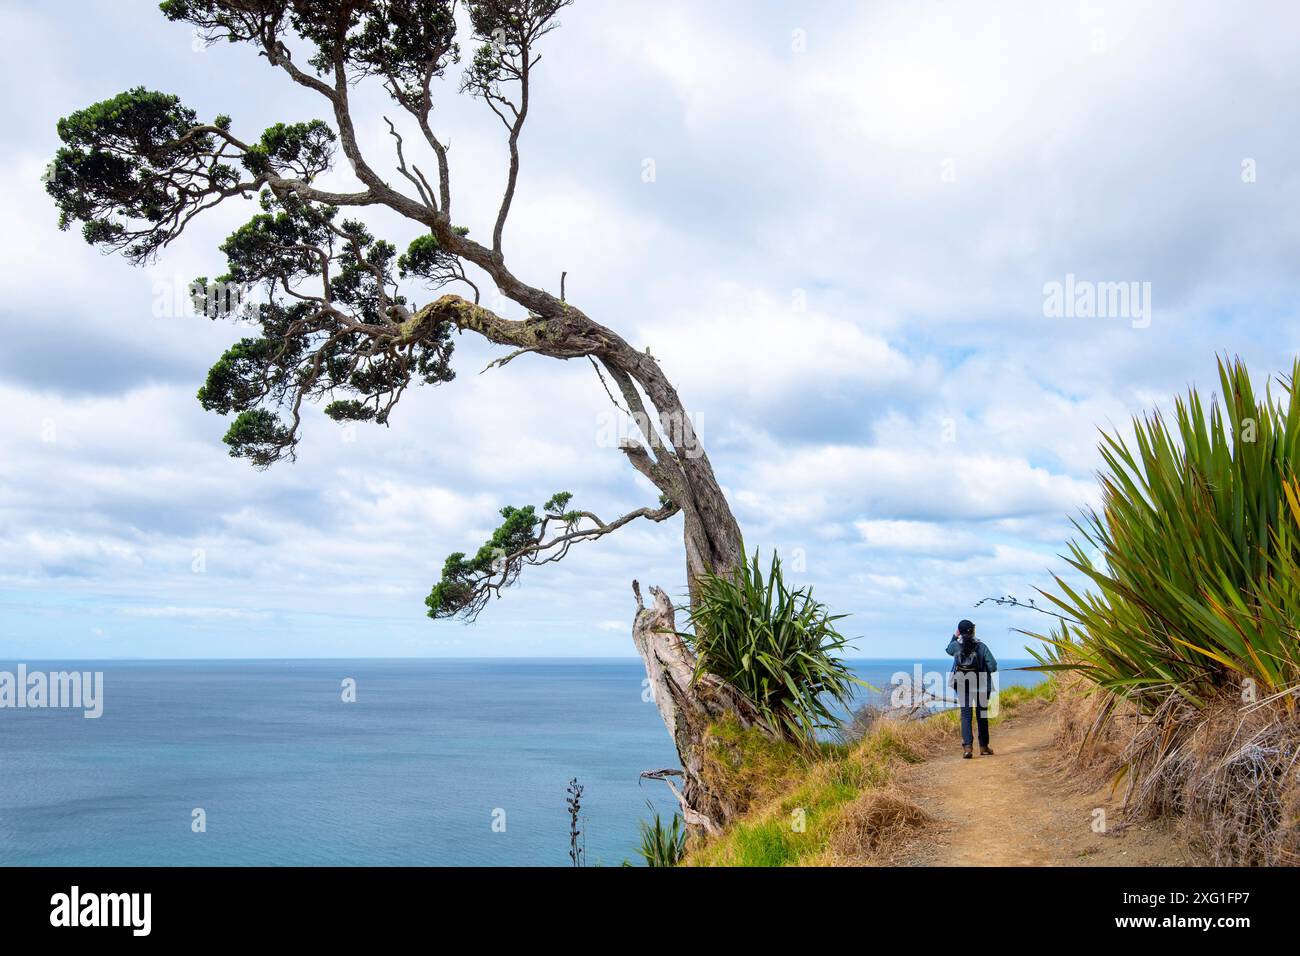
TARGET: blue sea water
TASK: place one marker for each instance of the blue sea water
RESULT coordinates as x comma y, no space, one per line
414,772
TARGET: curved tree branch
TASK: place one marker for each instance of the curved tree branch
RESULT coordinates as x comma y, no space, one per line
468,584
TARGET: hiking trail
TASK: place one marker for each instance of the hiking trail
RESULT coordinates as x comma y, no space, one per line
1015,809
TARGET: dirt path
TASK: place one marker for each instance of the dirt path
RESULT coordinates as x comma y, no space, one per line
1013,810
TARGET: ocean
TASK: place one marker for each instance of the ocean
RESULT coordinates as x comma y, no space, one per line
436,762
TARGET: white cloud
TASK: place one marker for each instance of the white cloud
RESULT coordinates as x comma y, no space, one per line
234,613
908,483
914,537
761,349
68,549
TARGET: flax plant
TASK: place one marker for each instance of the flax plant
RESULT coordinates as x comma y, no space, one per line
1197,593
777,646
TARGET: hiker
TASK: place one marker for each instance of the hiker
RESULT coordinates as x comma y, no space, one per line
973,667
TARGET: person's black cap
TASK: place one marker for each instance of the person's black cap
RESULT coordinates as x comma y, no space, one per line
965,627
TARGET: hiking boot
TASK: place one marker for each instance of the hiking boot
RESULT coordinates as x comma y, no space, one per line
985,752
965,753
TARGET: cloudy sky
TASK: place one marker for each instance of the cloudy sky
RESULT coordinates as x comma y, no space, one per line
840,261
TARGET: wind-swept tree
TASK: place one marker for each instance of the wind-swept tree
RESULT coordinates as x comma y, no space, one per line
341,319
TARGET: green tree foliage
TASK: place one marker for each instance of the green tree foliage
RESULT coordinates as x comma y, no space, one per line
404,41
304,149
133,168
468,582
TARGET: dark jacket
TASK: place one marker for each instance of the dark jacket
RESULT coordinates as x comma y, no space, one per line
986,663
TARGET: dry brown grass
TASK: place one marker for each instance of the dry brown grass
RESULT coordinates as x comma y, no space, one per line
1228,774
874,823
1088,730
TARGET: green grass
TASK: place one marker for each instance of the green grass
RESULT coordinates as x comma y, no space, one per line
1013,696
769,843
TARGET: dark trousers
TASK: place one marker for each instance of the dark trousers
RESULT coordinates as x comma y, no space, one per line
973,698
981,715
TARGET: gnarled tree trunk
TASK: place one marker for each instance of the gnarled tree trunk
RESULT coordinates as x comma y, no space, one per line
688,706
711,536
